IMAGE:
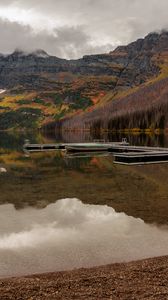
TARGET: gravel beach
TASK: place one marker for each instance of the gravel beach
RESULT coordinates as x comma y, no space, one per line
145,279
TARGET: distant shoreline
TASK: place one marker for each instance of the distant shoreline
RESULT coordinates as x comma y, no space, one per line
131,131
145,279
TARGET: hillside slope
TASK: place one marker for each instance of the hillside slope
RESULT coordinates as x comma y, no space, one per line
145,108
38,89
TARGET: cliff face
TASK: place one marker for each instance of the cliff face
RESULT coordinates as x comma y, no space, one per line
45,88
130,65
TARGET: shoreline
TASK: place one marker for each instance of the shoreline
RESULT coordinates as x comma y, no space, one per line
144,279
156,131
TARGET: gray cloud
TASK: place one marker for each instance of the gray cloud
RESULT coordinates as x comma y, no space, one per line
69,42
72,28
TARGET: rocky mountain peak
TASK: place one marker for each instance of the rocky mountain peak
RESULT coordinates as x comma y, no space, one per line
18,53
21,53
154,42
40,53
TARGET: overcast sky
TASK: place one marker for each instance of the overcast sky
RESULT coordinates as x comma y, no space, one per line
73,28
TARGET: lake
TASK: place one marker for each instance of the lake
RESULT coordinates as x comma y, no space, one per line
59,212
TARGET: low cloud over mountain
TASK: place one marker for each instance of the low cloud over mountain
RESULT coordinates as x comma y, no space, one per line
73,28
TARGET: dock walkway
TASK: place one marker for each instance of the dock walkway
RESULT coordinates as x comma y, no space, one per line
122,152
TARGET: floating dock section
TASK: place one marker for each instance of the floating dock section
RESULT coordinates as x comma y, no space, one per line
42,147
141,158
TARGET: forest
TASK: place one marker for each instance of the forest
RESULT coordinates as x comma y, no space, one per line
145,108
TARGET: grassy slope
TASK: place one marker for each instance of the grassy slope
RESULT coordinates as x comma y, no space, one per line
20,108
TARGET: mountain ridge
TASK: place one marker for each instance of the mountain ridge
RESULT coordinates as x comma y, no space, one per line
52,89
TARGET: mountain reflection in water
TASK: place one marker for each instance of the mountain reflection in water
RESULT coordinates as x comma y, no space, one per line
69,234
42,178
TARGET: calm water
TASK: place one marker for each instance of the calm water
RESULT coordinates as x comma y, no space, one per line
60,212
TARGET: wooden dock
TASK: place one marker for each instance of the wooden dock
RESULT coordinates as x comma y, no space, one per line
73,147
122,152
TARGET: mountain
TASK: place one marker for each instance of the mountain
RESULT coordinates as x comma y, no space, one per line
130,65
104,91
